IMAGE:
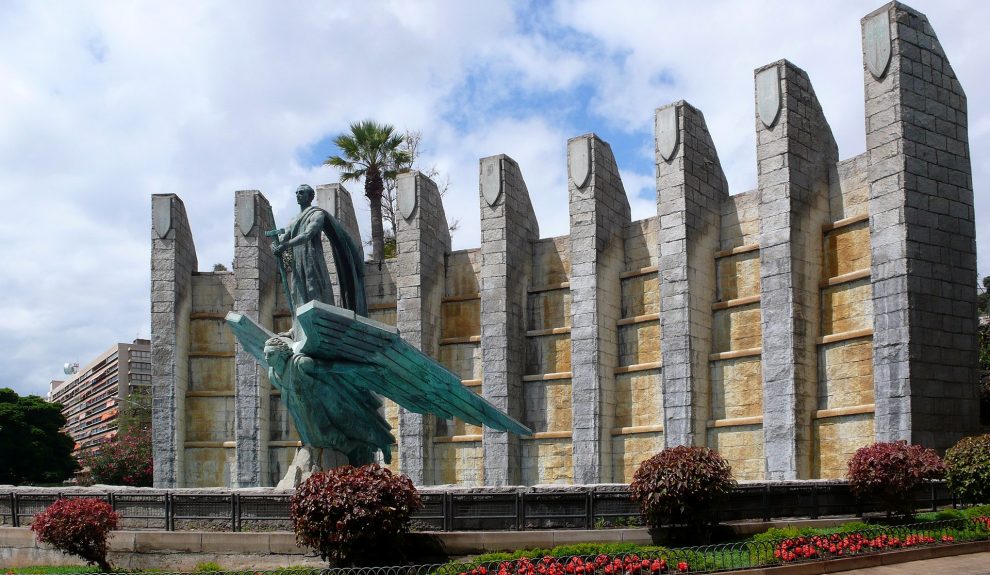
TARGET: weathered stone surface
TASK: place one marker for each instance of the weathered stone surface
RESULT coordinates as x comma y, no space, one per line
422,242
922,236
461,463
743,447
599,214
691,190
738,276
509,229
795,157
847,250
638,399
629,451
837,439
845,374
737,388
736,328
547,461
173,258
847,307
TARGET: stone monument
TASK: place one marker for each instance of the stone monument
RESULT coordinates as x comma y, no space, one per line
831,306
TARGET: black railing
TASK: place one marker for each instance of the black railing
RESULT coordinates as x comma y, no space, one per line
495,509
701,559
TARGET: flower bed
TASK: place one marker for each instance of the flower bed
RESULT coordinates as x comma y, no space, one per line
628,565
759,552
843,545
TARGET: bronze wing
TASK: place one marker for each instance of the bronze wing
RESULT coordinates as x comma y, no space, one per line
395,369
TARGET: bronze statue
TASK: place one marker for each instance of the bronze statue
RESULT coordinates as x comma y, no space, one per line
335,360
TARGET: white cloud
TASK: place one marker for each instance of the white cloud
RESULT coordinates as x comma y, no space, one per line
104,103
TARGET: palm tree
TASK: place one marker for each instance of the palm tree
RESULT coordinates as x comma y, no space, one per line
371,151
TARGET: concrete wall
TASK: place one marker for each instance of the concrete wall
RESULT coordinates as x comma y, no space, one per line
784,326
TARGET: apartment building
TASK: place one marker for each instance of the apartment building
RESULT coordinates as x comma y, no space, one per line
90,398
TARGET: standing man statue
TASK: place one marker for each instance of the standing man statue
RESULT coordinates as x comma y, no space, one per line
303,240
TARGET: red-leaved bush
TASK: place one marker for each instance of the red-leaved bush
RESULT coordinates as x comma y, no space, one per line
352,514
681,485
77,527
124,460
890,472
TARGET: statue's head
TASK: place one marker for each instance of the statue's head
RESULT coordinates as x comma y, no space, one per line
277,351
305,195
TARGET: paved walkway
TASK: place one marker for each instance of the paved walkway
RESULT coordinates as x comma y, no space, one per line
972,564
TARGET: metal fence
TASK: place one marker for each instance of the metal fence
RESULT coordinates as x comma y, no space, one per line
520,510
701,559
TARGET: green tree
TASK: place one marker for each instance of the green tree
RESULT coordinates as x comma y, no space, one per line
412,145
126,459
983,298
33,449
371,151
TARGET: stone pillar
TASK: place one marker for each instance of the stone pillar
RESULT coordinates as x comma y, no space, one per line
335,199
508,228
256,279
690,190
795,153
423,240
173,261
599,213
922,234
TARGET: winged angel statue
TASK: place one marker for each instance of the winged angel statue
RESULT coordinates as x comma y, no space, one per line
333,364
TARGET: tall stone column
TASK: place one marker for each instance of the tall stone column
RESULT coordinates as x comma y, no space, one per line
795,153
922,233
173,261
690,190
599,213
423,240
508,228
256,281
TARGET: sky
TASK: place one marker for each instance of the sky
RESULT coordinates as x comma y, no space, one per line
103,104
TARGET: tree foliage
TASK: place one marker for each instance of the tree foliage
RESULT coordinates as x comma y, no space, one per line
372,152
968,469
413,146
354,514
890,472
32,447
78,527
127,458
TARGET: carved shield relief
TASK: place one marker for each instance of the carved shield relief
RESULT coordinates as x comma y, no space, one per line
768,95
406,196
667,133
161,215
579,160
245,213
491,180
876,42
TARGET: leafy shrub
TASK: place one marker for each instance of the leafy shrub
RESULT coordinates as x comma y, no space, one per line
681,485
124,460
890,472
77,527
353,514
968,469
978,511
208,567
